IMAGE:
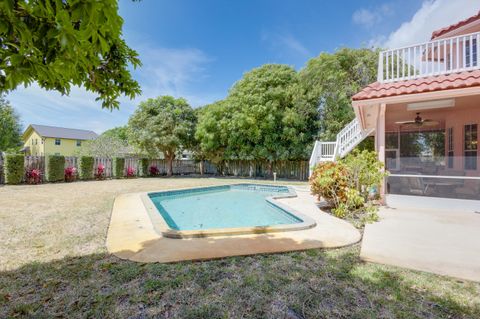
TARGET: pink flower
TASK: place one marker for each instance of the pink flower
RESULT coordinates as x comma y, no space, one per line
154,170
130,171
34,176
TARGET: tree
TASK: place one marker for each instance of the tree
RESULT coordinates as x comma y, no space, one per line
328,83
265,124
163,125
119,132
104,146
212,131
10,127
63,43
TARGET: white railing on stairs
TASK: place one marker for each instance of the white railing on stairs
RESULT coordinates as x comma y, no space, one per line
349,137
346,140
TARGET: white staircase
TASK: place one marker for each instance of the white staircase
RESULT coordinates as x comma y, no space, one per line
349,137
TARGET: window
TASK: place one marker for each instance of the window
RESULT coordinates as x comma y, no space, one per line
57,141
450,152
474,53
470,146
79,143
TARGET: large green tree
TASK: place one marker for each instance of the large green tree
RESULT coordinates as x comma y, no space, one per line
10,127
265,123
328,83
63,43
212,131
163,125
119,133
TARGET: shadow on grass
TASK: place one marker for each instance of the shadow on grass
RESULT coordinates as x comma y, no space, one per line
309,284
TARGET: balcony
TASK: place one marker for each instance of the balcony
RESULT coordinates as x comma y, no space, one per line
437,57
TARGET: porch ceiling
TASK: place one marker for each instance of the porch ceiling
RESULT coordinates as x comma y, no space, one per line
466,109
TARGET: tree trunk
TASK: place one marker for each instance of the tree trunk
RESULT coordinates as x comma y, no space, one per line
201,167
169,157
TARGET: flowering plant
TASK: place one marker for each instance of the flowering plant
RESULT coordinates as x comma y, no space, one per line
154,170
130,171
34,176
100,171
70,174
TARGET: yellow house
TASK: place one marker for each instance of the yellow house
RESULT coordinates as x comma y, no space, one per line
40,140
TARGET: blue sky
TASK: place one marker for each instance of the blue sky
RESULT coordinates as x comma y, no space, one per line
198,49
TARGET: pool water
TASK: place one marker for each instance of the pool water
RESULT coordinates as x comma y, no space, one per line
233,206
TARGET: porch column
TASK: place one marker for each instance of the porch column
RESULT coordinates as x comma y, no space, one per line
380,143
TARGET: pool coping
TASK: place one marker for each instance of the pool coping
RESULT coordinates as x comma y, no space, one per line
162,227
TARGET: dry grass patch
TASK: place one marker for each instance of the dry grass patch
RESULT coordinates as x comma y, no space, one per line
54,264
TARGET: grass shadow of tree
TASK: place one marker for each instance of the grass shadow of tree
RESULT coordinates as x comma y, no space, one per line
312,284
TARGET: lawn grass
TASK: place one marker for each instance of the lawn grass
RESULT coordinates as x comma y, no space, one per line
54,264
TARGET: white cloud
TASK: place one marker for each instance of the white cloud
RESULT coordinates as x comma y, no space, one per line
171,71
286,43
165,71
433,15
370,17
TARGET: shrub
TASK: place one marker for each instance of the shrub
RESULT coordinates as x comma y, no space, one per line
14,169
100,171
154,171
130,171
329,181
55,165
144,162
118,165
70,174
33,176
347,184
86,167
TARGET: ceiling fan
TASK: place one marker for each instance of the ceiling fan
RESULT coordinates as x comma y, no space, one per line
418,122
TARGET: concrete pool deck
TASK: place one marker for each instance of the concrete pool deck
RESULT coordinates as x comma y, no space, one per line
436,235
131,234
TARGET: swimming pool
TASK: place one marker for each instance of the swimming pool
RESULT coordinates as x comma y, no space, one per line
224,210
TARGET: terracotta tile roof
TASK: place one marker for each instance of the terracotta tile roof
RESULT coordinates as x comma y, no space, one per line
422,85
439,32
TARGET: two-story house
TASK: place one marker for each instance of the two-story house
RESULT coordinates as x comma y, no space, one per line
424,112
40,140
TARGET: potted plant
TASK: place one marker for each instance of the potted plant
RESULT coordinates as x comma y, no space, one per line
70,174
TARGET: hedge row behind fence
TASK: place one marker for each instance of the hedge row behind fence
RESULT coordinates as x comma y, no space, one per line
118,167
144,167
297,170
85,168
14,168
55,168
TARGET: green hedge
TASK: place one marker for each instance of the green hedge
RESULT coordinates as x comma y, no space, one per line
118,167
14,168
55,168
144,166
85,167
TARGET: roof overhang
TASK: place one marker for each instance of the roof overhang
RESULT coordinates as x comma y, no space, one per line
417,97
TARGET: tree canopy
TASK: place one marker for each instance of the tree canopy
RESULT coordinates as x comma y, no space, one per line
330,80
104,146
162,125
119,132
259,119
58,44
10,127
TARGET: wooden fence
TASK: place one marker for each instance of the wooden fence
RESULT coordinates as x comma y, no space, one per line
297,170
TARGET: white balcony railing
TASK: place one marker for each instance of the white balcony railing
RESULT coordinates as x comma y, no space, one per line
436,57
